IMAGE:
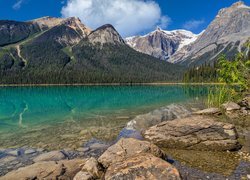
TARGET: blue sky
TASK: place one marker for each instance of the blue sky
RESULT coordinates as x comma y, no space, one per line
130,17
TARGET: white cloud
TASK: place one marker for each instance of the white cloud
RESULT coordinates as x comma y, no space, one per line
129,17
193,24
18,4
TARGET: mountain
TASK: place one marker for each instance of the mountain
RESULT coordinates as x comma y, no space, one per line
225,35
56,50
161,44
106,34
12,31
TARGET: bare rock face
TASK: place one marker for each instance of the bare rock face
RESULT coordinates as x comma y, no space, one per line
144,167
126,148
196,132
47,170
76,24
226,34
106,34
161,44
67,32
47,22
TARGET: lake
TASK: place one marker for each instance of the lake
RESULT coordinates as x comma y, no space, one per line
56,117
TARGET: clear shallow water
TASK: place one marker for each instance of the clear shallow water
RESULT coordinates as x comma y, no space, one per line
66,117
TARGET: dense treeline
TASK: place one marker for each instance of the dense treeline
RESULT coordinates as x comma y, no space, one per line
204,73
51,63
211,72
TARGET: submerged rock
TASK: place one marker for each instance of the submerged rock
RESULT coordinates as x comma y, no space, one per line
50,156
126,148
171,112
196,132
209,111
144,167
66,169
246,147
30,151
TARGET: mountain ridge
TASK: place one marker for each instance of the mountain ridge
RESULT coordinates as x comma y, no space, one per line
68,52
160,43
226,34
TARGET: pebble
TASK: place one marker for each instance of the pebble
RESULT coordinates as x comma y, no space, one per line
14,152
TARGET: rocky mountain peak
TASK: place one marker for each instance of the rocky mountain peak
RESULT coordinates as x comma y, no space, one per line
105,34
47,22
160,43
235,7
226,34
237,4
76,24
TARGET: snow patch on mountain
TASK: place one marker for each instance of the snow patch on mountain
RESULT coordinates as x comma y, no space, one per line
161,43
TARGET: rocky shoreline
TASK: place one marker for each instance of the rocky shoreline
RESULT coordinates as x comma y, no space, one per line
139,149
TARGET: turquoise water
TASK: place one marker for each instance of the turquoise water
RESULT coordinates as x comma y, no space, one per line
66,117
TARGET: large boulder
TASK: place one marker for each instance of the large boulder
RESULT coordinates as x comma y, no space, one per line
126,148
143,167
91,170
196,132
65,169
83,175
93,167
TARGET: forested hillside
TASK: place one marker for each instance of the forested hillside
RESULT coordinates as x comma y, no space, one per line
68,53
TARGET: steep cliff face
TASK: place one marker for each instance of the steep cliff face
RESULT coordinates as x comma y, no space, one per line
226,34
161,44
105,34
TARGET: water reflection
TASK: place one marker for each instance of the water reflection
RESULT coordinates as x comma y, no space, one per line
66,117
28,106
